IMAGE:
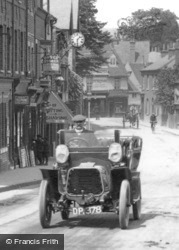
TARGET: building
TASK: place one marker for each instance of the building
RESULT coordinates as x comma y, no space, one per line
31,68
168,58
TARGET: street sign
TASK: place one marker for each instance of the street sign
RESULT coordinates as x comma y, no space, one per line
21,100
56,111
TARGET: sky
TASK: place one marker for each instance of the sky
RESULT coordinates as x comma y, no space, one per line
111,11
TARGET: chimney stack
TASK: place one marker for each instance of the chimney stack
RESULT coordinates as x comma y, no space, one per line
132,51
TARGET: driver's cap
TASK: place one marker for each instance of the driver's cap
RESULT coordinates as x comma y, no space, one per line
79,118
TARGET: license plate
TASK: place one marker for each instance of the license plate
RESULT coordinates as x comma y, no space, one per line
87,210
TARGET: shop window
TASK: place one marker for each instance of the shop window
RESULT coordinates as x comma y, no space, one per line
153,106
3,125
22,52
148,83
8,49
117,84
16,51
147,107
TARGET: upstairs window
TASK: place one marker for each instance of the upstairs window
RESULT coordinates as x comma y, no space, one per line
117,84
113,60
1,48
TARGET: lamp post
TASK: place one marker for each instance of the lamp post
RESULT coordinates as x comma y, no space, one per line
89,87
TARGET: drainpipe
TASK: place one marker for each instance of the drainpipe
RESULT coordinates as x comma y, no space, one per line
12,38
26,40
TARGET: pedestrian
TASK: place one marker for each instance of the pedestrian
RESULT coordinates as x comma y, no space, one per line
45,155
34,149
96,111
39,143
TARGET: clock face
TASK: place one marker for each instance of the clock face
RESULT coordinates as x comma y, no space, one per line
77,39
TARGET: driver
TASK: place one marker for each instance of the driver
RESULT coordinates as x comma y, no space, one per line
80,132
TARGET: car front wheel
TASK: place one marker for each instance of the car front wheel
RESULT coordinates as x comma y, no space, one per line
124,203
45,211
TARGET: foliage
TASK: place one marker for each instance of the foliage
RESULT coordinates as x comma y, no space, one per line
165,81
95,39
157,25
75,91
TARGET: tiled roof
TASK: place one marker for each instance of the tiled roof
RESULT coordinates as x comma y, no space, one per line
65,11
132,86
136,68
162,62
117,71
142,49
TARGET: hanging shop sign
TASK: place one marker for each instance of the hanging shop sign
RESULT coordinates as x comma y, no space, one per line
21,100
51,64
57,112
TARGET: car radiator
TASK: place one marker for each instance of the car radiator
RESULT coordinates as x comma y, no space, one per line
84,181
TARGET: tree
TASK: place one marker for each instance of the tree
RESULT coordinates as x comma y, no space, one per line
157,25
165,81
95,39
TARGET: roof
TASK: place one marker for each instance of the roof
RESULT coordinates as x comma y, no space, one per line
132,86
66,13
117,71
136,68
160,63
142,49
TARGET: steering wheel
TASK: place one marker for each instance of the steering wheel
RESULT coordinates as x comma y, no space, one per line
76,142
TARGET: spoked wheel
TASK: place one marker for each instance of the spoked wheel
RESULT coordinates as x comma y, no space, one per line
45,210
137,206
124,203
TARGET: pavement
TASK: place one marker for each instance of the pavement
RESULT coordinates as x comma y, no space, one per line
22,177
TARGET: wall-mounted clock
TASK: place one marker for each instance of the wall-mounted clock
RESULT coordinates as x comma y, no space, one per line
77,39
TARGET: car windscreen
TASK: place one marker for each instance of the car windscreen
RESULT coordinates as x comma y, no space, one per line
84,139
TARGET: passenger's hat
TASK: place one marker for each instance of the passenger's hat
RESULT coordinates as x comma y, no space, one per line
79,118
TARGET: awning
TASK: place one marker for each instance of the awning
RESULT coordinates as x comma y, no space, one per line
116,93
21,88
95,97
57,111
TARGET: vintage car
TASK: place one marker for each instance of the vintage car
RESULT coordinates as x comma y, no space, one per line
131,118
92,179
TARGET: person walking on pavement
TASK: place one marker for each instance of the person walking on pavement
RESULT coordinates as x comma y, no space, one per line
45,151
34,149
39,142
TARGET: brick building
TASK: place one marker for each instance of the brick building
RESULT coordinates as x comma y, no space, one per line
22,25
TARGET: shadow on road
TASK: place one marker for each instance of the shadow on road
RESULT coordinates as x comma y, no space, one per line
106,220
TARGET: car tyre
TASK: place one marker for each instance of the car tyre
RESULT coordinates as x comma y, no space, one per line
137,206
124,203
45,211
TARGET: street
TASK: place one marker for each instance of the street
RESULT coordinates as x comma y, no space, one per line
159,224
